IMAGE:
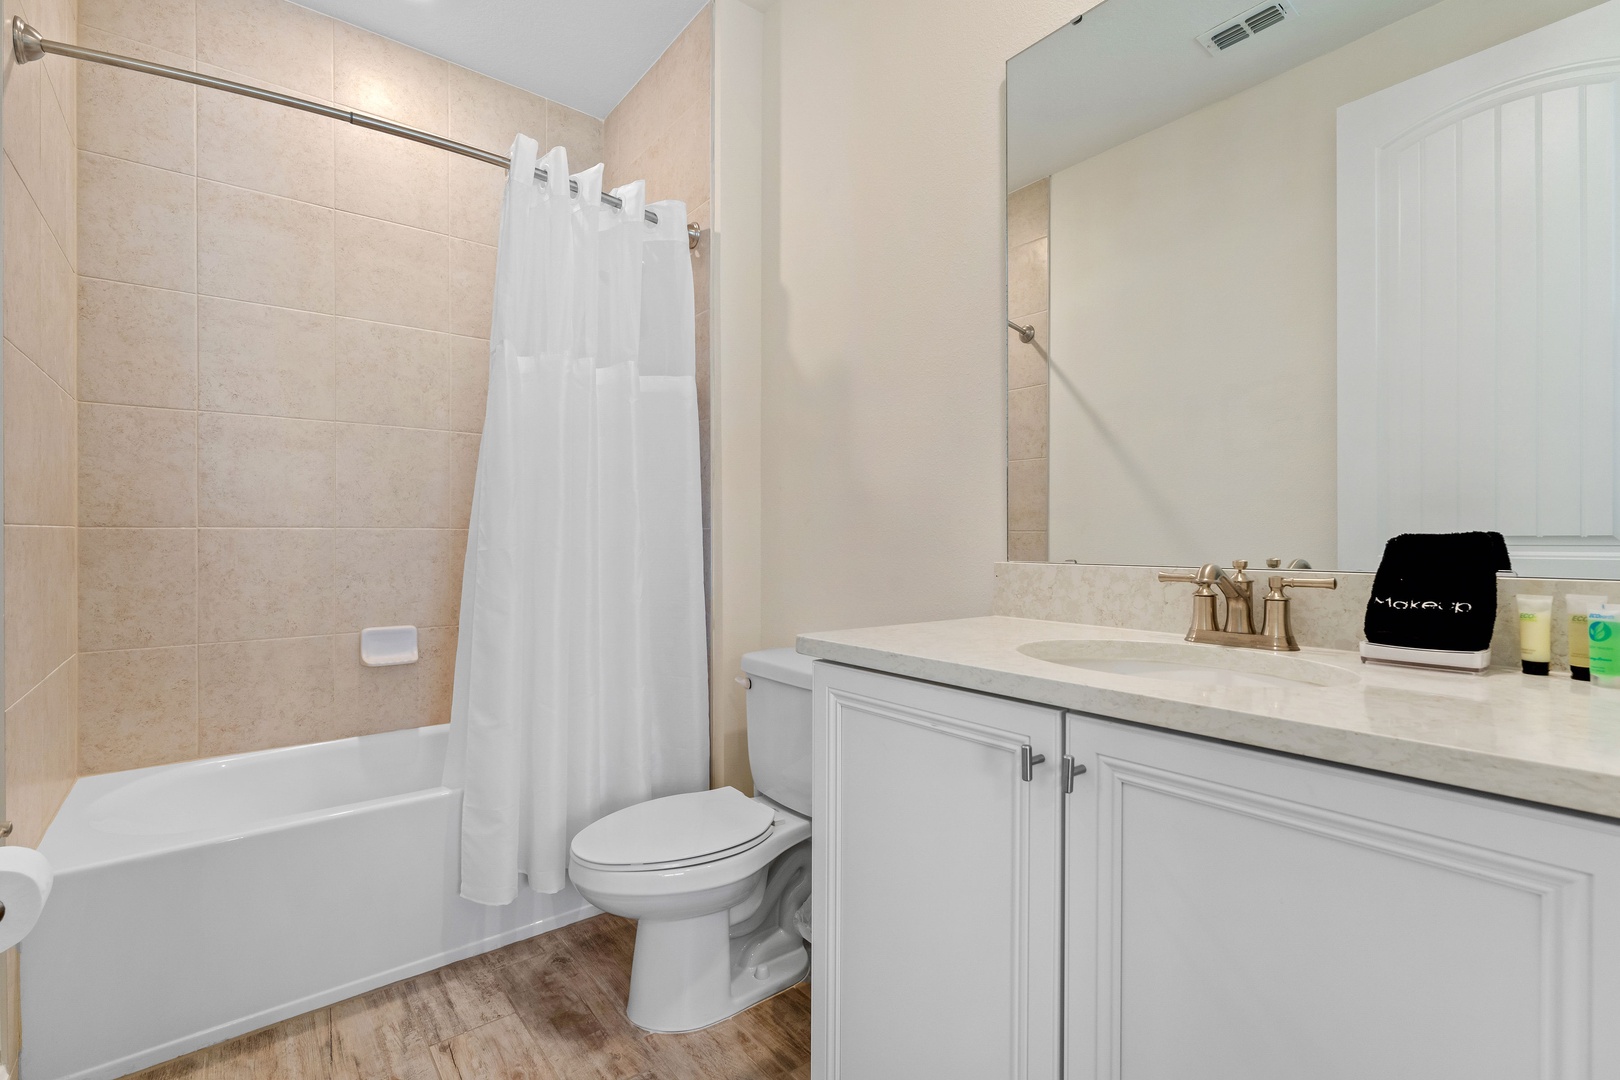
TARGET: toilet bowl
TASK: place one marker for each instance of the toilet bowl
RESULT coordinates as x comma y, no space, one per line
718,882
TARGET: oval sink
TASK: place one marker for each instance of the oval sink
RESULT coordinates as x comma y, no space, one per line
1197,665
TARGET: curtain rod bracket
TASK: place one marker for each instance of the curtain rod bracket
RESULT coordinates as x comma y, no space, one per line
26,44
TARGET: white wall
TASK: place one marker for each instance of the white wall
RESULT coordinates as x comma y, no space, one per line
1194,347
882,393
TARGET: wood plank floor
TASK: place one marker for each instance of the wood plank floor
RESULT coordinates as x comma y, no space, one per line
550,1008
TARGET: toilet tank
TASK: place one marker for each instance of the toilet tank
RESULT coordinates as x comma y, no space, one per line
779,725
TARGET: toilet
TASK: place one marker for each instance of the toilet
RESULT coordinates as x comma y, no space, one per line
719,883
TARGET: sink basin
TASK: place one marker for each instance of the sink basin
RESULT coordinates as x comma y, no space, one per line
1196,665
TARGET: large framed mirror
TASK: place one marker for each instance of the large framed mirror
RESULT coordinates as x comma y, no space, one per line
1287,280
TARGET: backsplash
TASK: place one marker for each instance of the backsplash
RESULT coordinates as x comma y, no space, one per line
1133,598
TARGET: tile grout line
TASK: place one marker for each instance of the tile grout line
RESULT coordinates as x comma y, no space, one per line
33,198
43,373
246,641
196,415
284,307
78,668
33,205
331,671
331,31
271,416
42,681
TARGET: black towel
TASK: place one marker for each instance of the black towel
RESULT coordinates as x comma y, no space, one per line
1437,591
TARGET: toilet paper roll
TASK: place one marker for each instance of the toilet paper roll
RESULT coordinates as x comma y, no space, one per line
25,884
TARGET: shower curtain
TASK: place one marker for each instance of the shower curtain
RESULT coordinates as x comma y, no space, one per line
581,681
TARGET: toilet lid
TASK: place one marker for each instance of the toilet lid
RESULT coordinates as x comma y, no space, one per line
675,829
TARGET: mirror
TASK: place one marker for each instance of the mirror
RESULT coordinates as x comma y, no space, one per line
1302,276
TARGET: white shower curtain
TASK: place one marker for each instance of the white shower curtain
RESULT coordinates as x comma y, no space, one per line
581,672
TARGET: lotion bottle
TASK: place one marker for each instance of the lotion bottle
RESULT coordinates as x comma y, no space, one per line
1603,636
1535,634
1578,607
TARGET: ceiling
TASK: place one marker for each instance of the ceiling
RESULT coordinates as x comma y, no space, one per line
582,53
1131,66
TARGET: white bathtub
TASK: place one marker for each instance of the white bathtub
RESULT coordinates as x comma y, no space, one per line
199,901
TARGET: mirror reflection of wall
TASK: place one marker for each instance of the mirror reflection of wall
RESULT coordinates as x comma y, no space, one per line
1028,213
1194,259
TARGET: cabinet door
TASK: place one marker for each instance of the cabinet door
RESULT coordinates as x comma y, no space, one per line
1239,915
937,883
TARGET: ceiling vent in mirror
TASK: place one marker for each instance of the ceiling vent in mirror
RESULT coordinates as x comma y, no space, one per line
1246,25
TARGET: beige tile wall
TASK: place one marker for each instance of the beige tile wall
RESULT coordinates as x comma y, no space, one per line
282,369
40,514
1028,214
662,133
40,255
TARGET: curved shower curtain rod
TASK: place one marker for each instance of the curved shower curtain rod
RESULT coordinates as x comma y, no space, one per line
27,45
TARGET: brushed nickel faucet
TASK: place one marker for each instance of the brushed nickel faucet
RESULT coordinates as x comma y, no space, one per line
1235,626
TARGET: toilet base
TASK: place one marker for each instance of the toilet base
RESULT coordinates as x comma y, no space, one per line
689,973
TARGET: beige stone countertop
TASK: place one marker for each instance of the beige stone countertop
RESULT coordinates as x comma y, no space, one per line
1546,740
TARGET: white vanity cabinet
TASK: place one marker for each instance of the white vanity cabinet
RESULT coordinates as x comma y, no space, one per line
1192,910
937,882
1234,914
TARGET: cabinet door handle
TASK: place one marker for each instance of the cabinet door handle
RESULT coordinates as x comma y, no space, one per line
1071,769
1028,759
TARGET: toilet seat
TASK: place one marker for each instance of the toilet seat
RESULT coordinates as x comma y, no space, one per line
675,831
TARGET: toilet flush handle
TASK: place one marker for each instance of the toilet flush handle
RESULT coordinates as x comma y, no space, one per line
745,682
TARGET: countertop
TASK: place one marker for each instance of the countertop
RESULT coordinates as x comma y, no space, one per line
1546,740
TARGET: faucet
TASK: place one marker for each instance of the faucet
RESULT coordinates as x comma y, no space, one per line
1237,628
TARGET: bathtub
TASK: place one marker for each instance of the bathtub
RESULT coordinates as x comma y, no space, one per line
199,901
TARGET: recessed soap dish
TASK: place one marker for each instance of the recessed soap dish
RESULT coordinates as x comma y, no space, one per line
388,646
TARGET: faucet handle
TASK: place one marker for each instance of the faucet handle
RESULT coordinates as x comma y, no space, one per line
1205,616
1276,628
1279,583
1204,577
